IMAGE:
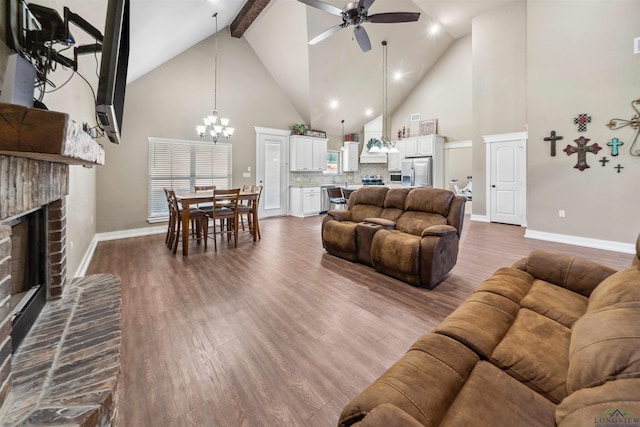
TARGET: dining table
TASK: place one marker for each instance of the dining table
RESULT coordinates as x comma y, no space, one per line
196,197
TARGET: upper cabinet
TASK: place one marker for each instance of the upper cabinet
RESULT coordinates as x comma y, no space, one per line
349,156
307,153
395,159
419,146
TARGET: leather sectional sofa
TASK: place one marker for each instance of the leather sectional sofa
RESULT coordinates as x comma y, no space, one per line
553,340
409,234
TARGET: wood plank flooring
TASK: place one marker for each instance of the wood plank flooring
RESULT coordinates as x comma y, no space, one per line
278,332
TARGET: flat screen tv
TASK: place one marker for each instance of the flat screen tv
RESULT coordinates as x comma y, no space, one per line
113,69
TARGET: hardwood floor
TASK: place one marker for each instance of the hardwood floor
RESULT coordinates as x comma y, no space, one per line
278,332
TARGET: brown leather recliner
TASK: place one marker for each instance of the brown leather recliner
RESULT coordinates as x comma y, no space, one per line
409,234
423,246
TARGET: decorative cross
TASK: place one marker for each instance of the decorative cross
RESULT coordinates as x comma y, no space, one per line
582,151
618,167
614,143
553,138
581,120
634,123
604,161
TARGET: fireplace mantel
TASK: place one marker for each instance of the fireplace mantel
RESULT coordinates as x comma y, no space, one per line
46,135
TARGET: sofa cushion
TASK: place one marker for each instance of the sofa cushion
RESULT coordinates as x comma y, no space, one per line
394,203
605,346
480,322
394,251
423,383
534,351
434,200
339,238
492,398
624,286
556,303
613,400
508,282
576,274
413,222
388,415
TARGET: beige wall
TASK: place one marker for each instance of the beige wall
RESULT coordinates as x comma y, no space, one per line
76,99
499,83
458,165
169,102
444,94
580,60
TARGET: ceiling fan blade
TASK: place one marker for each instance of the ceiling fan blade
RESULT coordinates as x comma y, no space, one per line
325,34
365,4
391,17
363,38
323,6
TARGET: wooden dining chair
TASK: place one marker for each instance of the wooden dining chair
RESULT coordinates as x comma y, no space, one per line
225,210
168,240
196,215
206,206
246,212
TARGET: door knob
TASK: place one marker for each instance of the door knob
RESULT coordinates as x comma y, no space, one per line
493,186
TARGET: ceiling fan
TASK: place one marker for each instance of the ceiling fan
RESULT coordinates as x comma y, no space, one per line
354,14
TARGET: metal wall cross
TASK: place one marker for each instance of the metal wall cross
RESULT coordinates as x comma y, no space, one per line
581,120
582,149
614,143
553,138
634,123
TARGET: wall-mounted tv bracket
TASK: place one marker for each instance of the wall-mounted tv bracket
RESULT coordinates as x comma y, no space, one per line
55,30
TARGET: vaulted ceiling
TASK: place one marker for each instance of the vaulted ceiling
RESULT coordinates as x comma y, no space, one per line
313,77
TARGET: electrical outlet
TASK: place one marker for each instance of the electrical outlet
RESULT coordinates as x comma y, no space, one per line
248,168
561,213
636,45
246,174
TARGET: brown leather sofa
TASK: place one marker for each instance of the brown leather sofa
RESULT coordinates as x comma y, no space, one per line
409,234
553,340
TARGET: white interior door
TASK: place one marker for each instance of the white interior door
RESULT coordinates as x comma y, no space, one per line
507,173
272,171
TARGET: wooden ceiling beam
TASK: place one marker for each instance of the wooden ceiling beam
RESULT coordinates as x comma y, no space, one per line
247,15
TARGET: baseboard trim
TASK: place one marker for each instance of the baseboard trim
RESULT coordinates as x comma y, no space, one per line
480,218
114,235
607,245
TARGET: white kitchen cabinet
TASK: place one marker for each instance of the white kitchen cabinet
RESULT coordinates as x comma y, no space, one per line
304,201
319,157
307,153
350,156
420,146
395,159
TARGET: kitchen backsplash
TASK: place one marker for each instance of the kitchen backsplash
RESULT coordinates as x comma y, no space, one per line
318,178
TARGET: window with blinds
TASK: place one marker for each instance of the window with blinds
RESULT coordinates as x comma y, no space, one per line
180,165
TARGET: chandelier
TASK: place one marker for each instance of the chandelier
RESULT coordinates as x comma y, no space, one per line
214,125
384,145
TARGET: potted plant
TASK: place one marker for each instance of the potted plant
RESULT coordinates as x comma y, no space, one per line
374,142
298,129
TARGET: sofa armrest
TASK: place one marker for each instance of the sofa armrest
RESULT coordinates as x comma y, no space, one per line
340,214
439,230
576,274
385,223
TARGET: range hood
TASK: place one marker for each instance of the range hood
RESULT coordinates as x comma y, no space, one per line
367,157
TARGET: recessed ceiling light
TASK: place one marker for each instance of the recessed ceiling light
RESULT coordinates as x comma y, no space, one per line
333,104
397,75
369,112
434,29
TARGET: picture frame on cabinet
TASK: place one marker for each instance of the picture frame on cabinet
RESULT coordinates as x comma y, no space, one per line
316,133
429,127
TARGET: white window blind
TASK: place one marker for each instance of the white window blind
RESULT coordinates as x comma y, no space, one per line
180,165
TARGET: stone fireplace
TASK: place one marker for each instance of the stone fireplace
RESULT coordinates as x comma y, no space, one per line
65,371
27,185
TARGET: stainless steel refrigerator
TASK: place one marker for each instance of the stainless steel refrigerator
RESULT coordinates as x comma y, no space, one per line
417,172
